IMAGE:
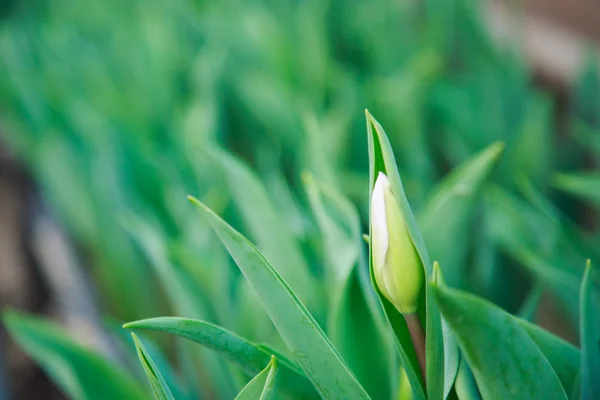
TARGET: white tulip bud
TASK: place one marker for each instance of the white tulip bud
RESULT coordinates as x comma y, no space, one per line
396,264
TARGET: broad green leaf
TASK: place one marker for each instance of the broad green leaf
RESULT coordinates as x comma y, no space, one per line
381,159
78,371
157,381
590,337
298,329
563,356
263,385
506,361
351,322
449,211
265,225
248,356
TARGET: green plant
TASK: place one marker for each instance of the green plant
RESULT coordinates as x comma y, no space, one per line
255,108
473,349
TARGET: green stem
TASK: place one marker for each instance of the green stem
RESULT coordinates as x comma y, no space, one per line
418,338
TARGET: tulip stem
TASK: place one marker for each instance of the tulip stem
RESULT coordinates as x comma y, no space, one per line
418,338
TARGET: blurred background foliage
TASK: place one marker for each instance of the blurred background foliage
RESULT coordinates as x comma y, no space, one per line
120,108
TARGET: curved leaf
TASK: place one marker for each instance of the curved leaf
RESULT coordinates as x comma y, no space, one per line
263,385
506,362
453,201
465,386
248,356
582,185
80,372
157,381
301,333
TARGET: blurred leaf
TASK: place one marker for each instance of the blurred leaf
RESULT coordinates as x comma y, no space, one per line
184,294
590,337
339,226
449,212
239,351
301,333
157,382
80,372
351,321
263,385
536,133
583,185
532,301
265,226
506,362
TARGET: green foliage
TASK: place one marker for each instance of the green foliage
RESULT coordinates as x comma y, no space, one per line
80,372
120,108
505,361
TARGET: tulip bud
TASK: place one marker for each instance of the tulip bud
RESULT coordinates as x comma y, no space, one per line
396,265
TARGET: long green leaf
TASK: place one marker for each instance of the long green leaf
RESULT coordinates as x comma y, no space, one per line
80,372
506,362
265,225
263,385
590,337
351,322
453,201
157,381
451,353
247,355
381,159
303,336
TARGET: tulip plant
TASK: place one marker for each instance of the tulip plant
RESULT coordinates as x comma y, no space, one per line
375,325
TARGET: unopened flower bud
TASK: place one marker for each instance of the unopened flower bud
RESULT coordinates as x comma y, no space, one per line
396,264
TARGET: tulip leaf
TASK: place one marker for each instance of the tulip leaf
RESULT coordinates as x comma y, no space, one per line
465,386
80,372
583,185
263,385
351,321
381,159
248,356
311,348
506,362
339,225
451,353
155,378
590,337
563,356
453,201
264,224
